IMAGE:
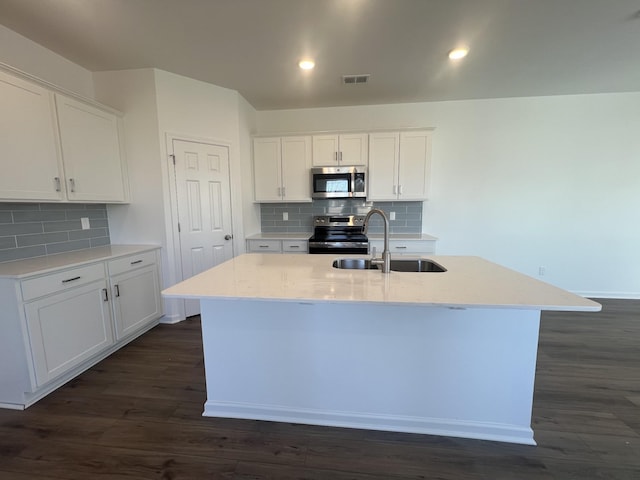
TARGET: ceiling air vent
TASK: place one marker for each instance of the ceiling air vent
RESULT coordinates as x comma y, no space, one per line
355,79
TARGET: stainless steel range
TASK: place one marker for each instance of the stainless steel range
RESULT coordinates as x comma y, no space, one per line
338,234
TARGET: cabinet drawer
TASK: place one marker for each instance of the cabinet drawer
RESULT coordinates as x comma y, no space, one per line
398,247
61,281
124,264
295,246
273,246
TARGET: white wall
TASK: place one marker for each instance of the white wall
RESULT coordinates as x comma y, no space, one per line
525,182
29,57
247,127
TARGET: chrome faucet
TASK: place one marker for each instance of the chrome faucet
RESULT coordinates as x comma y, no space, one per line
385,260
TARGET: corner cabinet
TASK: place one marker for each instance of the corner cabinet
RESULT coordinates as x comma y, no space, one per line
281,169
91,152
59,322
67,150
399,165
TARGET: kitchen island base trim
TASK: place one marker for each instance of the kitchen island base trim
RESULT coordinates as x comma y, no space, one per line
418,369
475,430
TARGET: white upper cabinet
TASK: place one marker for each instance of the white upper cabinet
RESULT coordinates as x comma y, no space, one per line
340,149
30,161
56,148
399,165
91,151
282,169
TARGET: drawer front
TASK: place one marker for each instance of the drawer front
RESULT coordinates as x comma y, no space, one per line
61,281
272,246
295,246
131,262
398,247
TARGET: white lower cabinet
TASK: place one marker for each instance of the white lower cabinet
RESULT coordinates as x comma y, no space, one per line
277,246
135,291
58,323
60,337
414,247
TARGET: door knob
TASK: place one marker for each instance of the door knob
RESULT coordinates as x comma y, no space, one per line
228,237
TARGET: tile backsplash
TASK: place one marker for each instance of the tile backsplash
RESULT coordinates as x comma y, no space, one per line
36,229
408,215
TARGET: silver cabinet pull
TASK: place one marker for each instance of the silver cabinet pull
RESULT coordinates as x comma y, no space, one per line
136,261
395,190
400,189
294,246
57,182
401,247
105,295
117,289
72,184
284,192
71,279
340,157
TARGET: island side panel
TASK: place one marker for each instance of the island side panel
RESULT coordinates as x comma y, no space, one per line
467,373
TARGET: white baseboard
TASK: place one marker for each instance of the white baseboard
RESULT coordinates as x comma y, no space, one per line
431,426
171,319
611,295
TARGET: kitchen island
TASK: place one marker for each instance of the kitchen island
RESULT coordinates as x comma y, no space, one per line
290,338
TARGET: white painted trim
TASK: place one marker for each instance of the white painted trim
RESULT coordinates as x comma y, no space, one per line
174,259
612,295
171,319
392,423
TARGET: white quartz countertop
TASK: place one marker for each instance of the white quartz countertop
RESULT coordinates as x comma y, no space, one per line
469,282
48,263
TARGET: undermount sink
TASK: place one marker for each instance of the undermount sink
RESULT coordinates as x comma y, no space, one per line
416,265
397,265
354,264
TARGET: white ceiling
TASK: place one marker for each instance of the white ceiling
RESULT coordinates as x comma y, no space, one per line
517,47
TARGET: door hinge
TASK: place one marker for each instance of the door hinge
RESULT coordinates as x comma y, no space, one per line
173,158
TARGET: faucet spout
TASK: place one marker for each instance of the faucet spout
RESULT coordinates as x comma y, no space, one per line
385,261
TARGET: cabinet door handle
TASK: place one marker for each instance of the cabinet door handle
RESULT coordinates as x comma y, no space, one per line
284,190
117,289
400,189
105,295
294,246
340,157
395,190
57,182
72,184
136,261
70,279
263,246
335,156
401,247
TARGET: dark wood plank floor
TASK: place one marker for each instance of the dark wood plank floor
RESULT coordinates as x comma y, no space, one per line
137,415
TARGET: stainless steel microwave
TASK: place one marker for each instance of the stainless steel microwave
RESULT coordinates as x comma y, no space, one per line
339,182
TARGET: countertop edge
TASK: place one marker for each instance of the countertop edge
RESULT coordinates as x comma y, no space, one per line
18,269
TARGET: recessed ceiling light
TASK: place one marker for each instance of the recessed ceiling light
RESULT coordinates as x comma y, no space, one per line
458,53
306,64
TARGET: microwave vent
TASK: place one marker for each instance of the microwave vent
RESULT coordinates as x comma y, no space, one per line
355,79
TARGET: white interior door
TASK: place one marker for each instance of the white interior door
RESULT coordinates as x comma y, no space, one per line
204,208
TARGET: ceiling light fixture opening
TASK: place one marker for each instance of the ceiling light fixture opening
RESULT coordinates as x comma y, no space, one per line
306,64
458,53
